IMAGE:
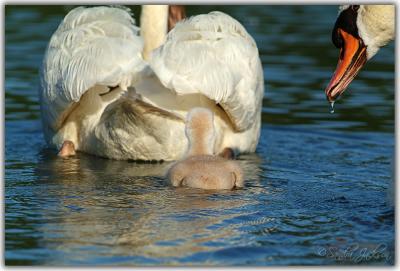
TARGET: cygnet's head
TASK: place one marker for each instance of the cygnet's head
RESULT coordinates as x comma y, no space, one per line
359,32
206,172
200,131
201,168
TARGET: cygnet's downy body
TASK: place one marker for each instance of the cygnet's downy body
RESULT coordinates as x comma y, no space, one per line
201,168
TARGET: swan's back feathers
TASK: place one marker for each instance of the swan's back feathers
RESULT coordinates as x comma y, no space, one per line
82,15
92,46
213,54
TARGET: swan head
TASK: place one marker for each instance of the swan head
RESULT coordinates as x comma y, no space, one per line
359,32
200,131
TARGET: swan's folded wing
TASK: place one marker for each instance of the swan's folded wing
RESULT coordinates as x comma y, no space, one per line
213,54
92,46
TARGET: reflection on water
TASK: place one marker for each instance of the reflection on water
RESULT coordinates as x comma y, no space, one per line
318,186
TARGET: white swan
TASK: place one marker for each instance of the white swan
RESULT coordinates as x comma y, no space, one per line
101,97
201,168
359,32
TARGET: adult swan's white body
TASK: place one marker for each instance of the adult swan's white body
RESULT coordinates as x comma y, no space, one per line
101,96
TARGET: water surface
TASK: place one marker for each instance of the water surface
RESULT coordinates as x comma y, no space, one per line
318,189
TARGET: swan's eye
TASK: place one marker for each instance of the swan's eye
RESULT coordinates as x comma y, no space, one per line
347,21
337,39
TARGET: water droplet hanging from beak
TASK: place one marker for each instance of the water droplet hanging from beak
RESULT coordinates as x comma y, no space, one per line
332,107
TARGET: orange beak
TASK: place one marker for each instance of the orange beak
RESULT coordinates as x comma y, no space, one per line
176,13
353,56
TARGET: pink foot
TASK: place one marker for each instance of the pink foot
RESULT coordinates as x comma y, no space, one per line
227,153
67,149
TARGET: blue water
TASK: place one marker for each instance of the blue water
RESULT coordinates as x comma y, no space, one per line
318,191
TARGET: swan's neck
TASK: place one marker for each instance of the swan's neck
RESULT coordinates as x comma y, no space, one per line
376,26
153,27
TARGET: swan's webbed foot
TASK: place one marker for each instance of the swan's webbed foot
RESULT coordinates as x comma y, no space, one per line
67,149
227,153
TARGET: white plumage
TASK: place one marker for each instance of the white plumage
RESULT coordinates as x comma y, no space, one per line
213,55
376,26
99,93
91,46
